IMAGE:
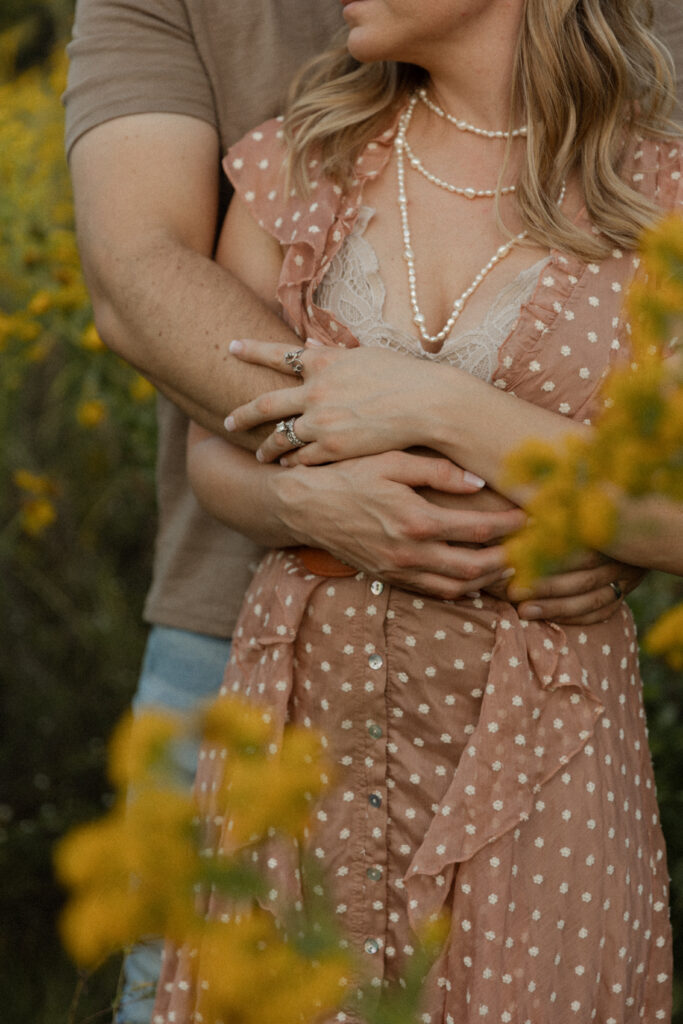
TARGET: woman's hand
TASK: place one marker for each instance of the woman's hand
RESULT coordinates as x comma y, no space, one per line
351,402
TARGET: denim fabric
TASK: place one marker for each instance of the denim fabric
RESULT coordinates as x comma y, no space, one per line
179,671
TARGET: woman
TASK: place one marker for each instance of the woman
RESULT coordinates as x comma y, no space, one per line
489,766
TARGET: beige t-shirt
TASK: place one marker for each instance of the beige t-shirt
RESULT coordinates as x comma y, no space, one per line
227,62
669,26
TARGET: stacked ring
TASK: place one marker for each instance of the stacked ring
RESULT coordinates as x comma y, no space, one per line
286,427
618,592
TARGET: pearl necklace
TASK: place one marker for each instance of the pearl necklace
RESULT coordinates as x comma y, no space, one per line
464,126
409,256
468,193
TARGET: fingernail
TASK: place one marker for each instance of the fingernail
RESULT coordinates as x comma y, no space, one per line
284,461
472,478
314,343
235,347
259,456
229,422
533,611
508,574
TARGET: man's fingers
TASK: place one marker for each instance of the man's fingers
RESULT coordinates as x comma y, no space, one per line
443,587
462,527
566,584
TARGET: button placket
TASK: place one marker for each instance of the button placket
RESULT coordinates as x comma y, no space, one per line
375,753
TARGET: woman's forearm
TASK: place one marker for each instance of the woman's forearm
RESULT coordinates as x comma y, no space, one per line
233,487
480,427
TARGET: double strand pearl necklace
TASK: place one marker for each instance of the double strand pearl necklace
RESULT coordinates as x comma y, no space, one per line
464,126
409,256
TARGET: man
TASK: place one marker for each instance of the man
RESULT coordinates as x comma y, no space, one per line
669,27
157,92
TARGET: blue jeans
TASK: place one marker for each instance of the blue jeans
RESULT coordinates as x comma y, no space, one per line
180,670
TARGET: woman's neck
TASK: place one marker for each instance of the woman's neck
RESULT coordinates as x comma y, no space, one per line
472,76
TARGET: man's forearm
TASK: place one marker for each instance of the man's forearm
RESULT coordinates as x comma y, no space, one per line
172,312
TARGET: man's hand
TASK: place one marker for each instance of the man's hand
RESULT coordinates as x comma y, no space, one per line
589,593
367,512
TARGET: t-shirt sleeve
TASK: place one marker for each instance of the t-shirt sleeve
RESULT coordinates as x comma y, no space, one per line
133,57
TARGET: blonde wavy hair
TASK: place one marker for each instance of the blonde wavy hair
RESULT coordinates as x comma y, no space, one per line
589,74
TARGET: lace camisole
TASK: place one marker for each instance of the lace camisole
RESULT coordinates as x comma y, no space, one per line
353,291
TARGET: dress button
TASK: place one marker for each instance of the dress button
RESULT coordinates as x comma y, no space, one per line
375,731
376,587
374,874
375,799
371,946
375,661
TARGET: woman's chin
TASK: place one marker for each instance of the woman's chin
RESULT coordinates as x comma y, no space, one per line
366,46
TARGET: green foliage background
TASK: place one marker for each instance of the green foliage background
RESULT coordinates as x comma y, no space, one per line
75,543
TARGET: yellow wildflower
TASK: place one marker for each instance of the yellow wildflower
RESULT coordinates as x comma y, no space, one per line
434,933
596,517
91,340
238,725
275,792
141,390
141,863
665,638
91,413
139,746
34,483
36,516
249,972
533,462
40,303
98,924
25,329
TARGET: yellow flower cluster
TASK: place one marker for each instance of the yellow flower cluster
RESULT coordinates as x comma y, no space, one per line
251,975
141,869
89,412
637,445
666,637
37,510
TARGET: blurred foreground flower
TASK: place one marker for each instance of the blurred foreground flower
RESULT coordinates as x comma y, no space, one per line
666,637
165,863
637,444
147,867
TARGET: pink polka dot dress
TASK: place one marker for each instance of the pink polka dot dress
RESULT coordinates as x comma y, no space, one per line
487,767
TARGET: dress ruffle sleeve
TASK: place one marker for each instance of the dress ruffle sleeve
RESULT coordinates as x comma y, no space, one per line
311,228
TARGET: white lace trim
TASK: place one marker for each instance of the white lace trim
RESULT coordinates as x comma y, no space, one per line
353,291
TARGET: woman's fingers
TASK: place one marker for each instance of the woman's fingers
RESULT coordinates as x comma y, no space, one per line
286,436
273,354
273,405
